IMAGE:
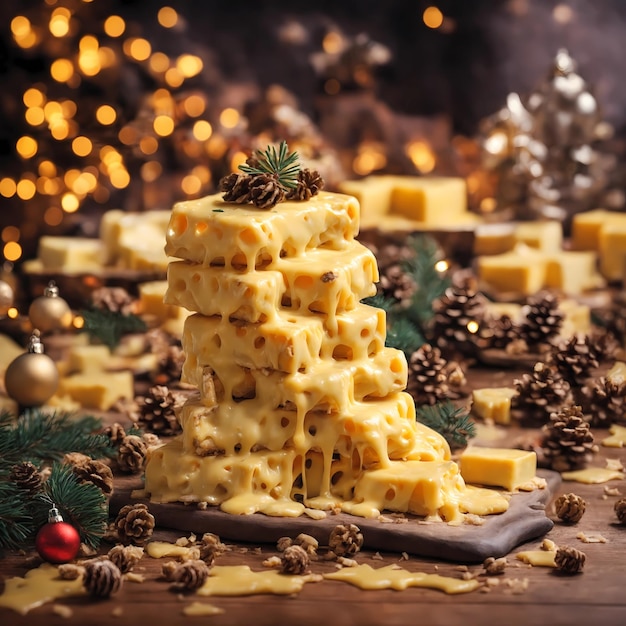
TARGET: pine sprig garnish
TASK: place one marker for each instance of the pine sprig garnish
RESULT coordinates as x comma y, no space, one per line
381,302
110,326
37,436
16,522
281,164
82,505
453,423
403,335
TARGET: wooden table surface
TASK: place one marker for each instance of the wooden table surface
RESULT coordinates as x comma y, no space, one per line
525,595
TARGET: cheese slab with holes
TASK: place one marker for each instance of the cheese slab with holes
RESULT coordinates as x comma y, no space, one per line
300,404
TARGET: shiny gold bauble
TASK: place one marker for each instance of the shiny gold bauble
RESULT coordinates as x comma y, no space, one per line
31,379
50,311
6,298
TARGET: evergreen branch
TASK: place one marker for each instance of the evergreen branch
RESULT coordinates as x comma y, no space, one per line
282,164
454,424
39,436
82,505
431,284
381,302
109,326
403,335
16,522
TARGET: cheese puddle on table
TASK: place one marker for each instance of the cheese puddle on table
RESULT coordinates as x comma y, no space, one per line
617,438
240,580
394,577
539,558
200,609
161,549
593,475
38,586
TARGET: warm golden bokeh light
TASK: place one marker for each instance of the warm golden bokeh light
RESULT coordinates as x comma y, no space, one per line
26,147
422,156
163,125
59,24
26,189
442,266
159,62
53,216
34,116
229,117
10,233
69,202
202,130
120,178
194,105
62,70
333,43
148,145
433,17
174,78
114,26
105,114
139,49
191,185
33,97
82,146
12,313
12,251
189,65
167,17
8,187
150,171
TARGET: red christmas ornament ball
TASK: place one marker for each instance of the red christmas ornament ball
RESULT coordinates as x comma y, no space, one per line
57,542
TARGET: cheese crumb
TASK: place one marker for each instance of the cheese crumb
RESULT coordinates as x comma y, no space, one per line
614,465
315,514
405,556
133,577
473,520
516,586
346,562
535,483
272,561
62,610
591,538
612,491
377,557
548,545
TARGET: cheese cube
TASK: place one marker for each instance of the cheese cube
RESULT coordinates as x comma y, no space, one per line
617,373
514,272
541,235
431,199
151,301
71,254
572,272
494,239
97,390
586,227
493,403
373,194
498,467
612,250
577,318
89,358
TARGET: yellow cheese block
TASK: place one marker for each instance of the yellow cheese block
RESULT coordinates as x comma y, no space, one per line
9,351
70,254
617,373
374,196
587,226
546,236
498,467
97,390
500,309
577,318
494,239
434,200
572,272
612,250
517,272
210,231
493,403
88,358
151,301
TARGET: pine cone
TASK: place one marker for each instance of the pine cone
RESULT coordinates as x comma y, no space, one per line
102,578
26,476
265,191
620,510
569,560
125,557
129,408
309,184
134,524
458,316
131,454
283,543
541,393
115,433
499,332
395,281
569,507
345,539
169,354
95,472
604,345
187,576
236,188
211,547
575,359
613,318
427,376
603,402
294,560
113,299
543,321
158,410
567,441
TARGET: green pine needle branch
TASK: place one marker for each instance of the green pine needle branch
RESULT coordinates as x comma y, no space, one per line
109,327
282,164
403,335
16,520
453,423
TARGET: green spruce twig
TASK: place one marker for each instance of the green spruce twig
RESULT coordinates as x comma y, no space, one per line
453,423
282,164
404,335
109,327
16,521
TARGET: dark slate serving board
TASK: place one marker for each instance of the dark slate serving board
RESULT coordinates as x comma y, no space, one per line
525,520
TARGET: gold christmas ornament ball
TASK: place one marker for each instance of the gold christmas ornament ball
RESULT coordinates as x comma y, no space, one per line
6,298
32,378
50,311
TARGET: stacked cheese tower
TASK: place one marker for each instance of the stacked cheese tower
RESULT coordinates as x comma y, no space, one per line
300,403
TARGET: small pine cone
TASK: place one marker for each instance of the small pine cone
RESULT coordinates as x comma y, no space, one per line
309,184
125,557
283,543
131,454
187,576
158,410
169,355
604,345
236,188
427,376
265,191
95,472
575,359
604,401
543,321
541,393
70,571
151,440
345,540
128,408
620,510
458,316
567,441
457,381
211,547
499,332
395,282
294,560
102,578
569,560
113,299
26,476
134,524
569,507
115,433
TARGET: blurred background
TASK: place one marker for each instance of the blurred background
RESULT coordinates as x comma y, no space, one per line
136,104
